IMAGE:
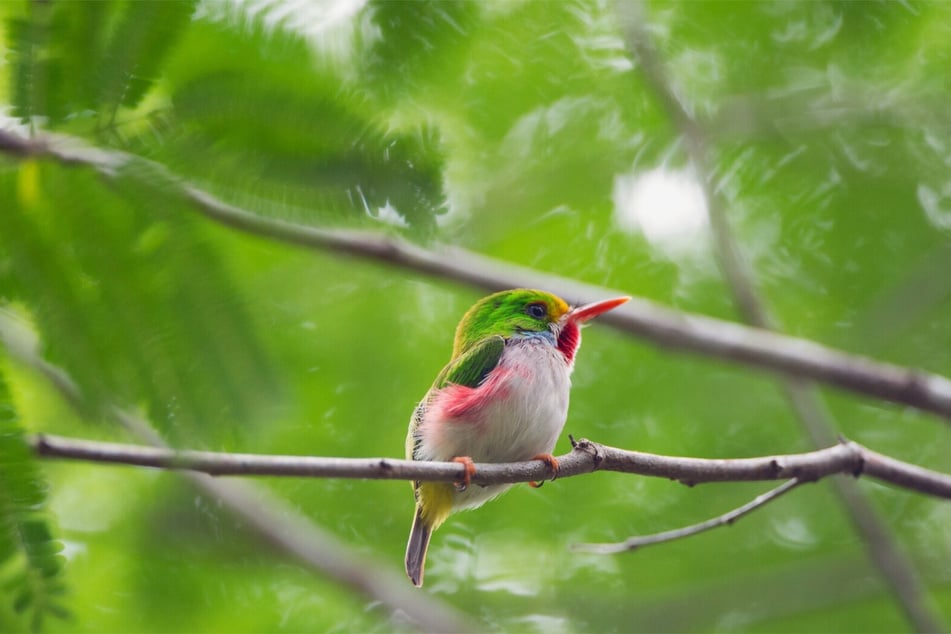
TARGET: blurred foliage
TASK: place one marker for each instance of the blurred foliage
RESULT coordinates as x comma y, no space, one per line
30,565
108,273
71,60
523,130
305,139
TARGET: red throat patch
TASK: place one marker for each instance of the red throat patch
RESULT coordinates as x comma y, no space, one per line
568,340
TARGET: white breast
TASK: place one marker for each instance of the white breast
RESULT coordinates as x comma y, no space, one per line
529,418
525,420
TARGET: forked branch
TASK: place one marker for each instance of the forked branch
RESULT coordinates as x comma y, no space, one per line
639,541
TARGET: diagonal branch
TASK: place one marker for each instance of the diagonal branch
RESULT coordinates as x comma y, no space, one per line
847,457
633,543
801,393
641,317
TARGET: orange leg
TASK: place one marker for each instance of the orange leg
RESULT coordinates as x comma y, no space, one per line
467,475
552,463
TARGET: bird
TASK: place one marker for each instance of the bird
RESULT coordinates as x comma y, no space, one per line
503,397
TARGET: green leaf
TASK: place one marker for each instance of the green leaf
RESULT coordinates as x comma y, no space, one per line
145,33
254,117
131,299
29,550
83,60
415,44
36,80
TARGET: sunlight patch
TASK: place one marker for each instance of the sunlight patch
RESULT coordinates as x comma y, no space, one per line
666,206
388,215
507,562
936,204
793,533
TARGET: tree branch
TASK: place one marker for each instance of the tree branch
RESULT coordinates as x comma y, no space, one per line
641,317
893,566
271,518
587,456
633,543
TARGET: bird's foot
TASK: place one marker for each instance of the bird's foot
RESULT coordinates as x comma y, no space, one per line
466,461
552,463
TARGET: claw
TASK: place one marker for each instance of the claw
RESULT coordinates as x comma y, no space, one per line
467,475
552,463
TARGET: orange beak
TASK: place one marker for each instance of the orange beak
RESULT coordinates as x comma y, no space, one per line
584,313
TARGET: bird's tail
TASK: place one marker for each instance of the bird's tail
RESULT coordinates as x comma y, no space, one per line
417,546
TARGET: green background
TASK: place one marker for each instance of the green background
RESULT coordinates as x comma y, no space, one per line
501,127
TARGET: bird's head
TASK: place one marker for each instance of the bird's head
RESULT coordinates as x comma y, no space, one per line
527,313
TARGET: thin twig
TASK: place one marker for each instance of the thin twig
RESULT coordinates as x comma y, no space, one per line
663,326
633,543
844,458
810,411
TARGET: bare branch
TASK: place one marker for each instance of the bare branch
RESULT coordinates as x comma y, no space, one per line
633,543
663,326
846,458
271,518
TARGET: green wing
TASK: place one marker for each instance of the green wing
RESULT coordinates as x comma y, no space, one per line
471,368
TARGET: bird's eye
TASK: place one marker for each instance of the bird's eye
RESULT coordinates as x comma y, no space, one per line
536,310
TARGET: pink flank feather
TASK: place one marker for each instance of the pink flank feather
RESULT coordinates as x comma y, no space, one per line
462,402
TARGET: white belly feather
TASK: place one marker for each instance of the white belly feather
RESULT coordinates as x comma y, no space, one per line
526,419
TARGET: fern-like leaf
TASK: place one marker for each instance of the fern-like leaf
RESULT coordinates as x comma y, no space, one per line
29,553
75,61
258,114
131,299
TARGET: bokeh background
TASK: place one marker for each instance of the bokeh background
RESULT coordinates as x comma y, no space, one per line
526,131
